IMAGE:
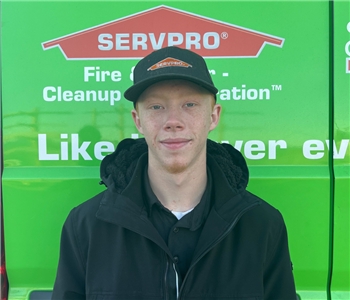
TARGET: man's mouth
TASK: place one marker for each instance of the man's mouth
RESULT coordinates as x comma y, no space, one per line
174,144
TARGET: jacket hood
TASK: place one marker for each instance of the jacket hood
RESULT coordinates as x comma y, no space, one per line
118,167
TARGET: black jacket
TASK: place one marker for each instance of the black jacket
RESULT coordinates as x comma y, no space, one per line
111,251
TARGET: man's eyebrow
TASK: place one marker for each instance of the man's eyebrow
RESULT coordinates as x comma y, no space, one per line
152,98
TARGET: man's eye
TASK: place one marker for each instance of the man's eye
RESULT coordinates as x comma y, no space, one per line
156,107
190,104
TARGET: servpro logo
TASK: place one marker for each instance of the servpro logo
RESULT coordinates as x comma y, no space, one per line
169,62
137,35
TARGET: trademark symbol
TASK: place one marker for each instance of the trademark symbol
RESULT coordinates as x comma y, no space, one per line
224,35
276,87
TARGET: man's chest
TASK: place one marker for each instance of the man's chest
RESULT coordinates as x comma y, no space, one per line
130,266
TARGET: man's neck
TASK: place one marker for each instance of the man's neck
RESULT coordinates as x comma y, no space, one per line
181,191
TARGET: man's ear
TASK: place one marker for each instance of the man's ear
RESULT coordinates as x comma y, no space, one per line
215,117
137,120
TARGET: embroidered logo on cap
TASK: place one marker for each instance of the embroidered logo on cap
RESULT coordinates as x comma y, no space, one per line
169,62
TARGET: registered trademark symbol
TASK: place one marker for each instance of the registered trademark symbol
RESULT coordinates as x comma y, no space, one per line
224,35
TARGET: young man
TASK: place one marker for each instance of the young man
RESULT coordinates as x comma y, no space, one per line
176,221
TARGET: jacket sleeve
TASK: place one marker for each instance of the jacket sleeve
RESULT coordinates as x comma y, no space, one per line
278,276
70,278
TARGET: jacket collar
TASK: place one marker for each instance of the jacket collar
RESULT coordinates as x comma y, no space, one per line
122,173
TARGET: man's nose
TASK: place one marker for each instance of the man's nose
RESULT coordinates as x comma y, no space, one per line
174,120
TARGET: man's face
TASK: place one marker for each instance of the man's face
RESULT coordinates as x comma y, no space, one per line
175,116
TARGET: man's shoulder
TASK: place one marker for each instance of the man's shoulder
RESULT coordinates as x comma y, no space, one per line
264,214
86,211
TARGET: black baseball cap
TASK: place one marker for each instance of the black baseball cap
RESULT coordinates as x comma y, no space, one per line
169,63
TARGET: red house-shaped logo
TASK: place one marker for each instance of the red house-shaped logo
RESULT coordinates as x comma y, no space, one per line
137,35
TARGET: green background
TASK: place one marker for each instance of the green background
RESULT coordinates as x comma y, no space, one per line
38,195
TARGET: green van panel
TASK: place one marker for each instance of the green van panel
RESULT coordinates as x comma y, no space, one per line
340,286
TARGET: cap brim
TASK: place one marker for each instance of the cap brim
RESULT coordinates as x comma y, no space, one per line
134,92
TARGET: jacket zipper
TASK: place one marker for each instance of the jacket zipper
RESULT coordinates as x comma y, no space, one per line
165,278
216,242
177,282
